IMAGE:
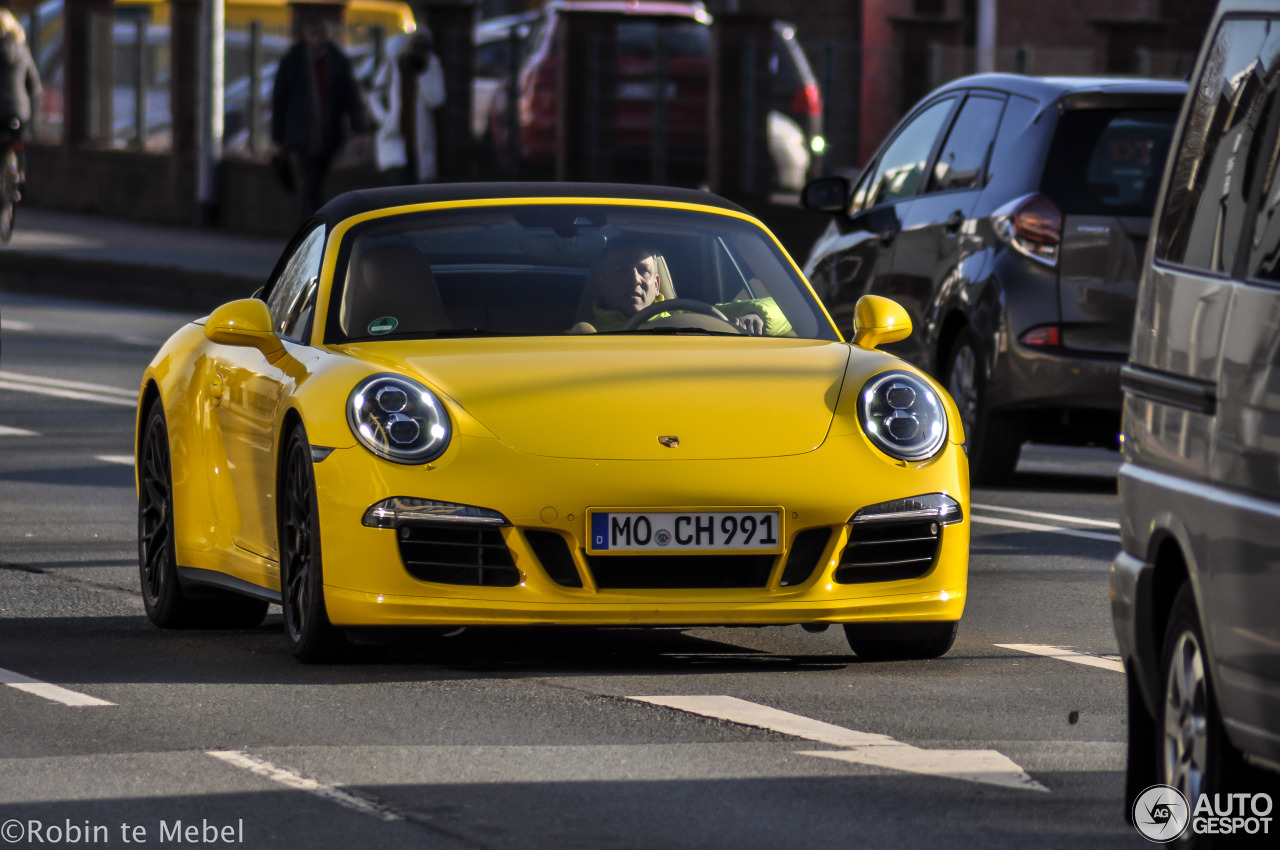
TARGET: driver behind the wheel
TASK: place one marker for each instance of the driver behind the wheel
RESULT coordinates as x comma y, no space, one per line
631,281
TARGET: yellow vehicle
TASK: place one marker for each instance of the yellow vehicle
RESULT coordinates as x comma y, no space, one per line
392,16
422,422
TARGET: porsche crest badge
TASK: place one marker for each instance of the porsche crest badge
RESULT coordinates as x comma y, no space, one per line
670,442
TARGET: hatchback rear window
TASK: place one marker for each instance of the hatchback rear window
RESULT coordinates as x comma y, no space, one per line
638,39
1108,161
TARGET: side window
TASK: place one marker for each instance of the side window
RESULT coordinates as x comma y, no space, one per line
1206,202
964,154
292,296
903,163
492,58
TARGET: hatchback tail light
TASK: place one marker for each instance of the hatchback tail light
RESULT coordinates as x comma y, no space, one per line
1045,336
1031,225
807,101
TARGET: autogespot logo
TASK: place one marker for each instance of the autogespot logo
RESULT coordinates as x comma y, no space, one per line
1161,813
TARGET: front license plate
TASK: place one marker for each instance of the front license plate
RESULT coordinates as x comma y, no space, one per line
684,531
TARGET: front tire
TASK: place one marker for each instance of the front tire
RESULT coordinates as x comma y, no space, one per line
312,638
901,641
993,440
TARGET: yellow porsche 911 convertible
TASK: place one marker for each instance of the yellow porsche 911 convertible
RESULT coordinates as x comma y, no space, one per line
530,404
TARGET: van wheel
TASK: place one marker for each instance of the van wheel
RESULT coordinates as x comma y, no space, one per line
993,440
1194,753
900,641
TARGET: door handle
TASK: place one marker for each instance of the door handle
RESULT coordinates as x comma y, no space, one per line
954,221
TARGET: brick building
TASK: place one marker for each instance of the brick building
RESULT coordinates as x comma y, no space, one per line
877,57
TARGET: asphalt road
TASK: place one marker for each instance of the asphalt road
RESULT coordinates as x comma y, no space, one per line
525,738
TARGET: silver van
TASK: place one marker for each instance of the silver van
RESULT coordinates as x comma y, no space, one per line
1196,590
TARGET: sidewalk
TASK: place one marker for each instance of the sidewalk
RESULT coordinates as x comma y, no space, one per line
108,259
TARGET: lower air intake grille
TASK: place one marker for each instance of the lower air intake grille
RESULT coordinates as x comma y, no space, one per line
457,555
553,553
679,572
889,551
805,552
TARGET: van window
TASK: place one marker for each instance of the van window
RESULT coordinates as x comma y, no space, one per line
1205,207
1108,161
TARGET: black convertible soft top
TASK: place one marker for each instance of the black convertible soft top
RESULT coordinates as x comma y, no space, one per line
366,200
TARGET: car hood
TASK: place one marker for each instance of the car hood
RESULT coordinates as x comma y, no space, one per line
614,397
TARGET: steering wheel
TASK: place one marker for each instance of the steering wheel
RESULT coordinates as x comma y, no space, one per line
687,305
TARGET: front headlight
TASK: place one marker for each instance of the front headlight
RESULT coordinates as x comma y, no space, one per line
398,419
902,415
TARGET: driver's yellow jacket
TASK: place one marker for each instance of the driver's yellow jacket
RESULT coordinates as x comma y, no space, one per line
606,320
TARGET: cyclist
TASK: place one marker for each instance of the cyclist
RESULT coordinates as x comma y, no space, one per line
19,82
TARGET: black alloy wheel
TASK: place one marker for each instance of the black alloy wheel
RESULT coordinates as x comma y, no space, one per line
993,440
157,563
166,602
312,638
900,641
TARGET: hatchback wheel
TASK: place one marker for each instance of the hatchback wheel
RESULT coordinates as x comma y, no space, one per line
992,440
312,638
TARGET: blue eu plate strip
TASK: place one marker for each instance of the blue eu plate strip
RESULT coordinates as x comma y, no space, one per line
599,531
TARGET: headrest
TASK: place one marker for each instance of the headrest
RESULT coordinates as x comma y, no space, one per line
395,281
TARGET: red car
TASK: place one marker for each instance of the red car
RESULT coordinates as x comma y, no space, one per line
682,30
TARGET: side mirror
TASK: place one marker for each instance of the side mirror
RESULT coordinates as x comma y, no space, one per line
826,194
878,320
247,323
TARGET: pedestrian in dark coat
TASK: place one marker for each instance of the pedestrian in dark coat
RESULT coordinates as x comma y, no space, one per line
314,104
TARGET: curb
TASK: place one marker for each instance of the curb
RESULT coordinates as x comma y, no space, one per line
122,282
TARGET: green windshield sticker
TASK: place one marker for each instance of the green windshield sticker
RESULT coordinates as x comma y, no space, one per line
384,325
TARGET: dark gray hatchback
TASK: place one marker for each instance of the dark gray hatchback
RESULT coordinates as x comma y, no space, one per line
1196,591
1009,216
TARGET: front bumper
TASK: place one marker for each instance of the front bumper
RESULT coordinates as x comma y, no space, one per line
367,583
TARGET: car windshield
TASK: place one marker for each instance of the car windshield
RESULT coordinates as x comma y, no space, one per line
549,269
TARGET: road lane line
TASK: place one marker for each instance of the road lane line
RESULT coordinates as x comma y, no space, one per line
332,793
986,766
1052,529
1066,655
11,325
123,460
71,394
39,380
6,431
48,691
1063,517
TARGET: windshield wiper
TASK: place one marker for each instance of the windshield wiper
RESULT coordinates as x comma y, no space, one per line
444,332
677,332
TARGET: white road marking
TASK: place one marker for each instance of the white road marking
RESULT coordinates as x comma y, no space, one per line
985,766
1052,529
6,431
123,460
48,691
332,793
1063,517
11,325
69,385
1061,654
62,393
